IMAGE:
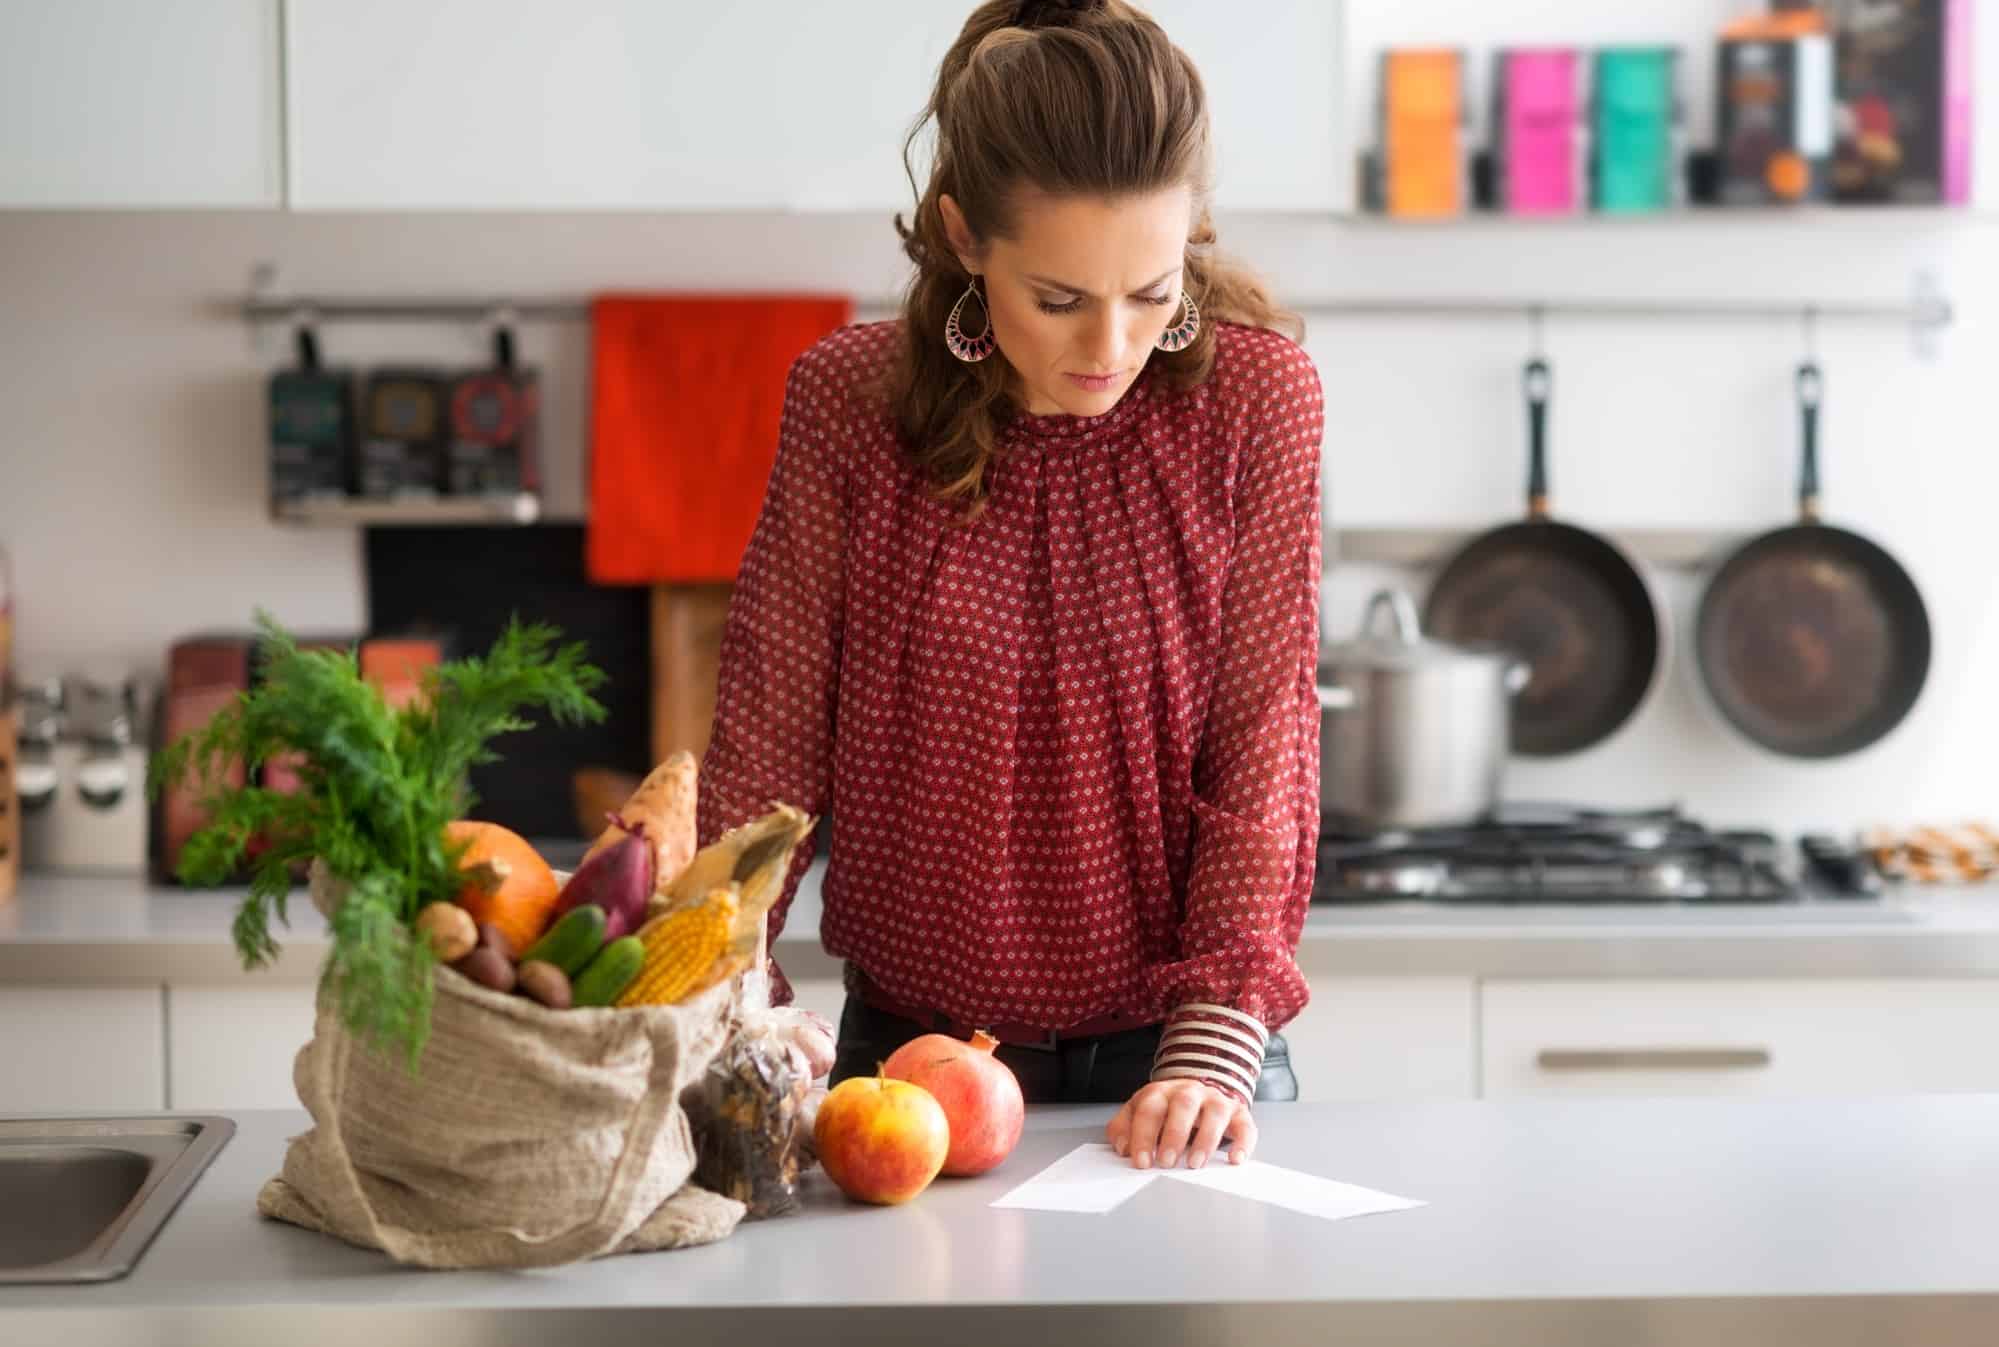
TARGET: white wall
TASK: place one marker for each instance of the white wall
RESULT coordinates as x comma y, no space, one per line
132,479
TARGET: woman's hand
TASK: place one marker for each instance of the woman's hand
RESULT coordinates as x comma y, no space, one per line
1170,1121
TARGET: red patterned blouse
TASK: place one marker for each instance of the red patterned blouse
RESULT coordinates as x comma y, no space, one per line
1071,750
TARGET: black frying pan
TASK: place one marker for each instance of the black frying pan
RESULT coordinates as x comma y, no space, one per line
1812,640
1568,602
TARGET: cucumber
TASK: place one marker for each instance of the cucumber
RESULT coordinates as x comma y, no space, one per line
609,973
572,941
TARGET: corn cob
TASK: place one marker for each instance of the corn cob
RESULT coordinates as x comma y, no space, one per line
682,949
754,857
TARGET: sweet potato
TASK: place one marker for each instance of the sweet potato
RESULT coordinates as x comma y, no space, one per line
663,806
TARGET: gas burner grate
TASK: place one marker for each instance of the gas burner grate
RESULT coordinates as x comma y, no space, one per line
1554,854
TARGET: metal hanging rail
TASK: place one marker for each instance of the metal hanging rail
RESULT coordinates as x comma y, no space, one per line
1927,312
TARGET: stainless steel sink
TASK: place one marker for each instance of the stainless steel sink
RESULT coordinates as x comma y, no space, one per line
81,1198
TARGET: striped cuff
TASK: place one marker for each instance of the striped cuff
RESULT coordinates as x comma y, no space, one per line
1213,1043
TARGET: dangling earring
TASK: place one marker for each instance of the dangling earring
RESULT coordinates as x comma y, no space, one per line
971,350
1181,335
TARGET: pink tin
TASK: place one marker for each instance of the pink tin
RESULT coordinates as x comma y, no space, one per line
1537,124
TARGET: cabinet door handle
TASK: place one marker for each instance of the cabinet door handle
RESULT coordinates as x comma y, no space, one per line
1653,1059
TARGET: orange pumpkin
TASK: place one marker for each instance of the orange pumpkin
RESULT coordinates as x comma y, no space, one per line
506,880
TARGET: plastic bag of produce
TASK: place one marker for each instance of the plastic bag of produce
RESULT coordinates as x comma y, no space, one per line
528,1137
746,1112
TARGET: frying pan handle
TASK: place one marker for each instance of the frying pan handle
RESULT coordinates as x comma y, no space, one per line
1811,391
1537,381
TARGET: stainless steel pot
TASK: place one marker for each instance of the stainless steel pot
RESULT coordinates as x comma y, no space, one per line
1412,732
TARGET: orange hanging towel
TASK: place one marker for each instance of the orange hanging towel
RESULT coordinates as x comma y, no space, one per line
686,394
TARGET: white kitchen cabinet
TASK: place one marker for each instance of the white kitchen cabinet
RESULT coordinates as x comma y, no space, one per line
783,105
231,1047
111,103
88,1049
1730,1036
1386,1038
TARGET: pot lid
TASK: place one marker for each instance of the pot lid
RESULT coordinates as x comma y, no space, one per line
1398,642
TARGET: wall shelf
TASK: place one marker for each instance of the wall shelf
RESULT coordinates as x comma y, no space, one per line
523,508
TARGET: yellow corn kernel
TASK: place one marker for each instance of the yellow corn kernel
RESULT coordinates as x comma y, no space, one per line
681,947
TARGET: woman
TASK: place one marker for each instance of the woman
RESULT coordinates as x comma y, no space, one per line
1031,607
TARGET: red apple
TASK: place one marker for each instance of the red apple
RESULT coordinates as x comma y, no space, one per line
881,1140
980,1096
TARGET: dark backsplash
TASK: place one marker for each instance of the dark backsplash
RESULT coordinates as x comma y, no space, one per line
462,584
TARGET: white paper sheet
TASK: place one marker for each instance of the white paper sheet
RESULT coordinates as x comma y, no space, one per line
1094,1179
1328,1199
1091,1178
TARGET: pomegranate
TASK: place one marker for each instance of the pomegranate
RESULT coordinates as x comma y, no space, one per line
980,1096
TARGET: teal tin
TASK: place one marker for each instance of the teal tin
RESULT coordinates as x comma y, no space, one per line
1635,124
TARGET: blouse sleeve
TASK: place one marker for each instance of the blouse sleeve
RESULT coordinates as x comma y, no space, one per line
772,735
1256,774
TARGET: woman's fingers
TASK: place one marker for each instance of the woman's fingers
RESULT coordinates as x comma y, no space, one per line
1217,1112
1170,1122
1118,1130
1178,1130
1242,1135
1148,1118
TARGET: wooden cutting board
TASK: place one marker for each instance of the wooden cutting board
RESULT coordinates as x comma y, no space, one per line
10,808
687,623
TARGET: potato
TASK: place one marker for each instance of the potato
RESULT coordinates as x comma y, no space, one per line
493,938
450,930
546,983
489,968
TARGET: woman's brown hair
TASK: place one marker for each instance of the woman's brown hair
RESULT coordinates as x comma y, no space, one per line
1086,98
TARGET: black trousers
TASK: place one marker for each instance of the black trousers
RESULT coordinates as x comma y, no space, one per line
1105,1069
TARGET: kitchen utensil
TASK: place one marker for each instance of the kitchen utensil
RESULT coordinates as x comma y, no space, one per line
311,427
1412,732
495,416
598,791
403,434
96,818
204,675
1567,601
10,806
1812,640
687,625
1844,871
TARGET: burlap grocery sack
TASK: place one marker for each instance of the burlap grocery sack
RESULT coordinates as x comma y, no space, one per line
528,1137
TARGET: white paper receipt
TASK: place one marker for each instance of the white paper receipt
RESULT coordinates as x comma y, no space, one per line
1090,1178
1093,1178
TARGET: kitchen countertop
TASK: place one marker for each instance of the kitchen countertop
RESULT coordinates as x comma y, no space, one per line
1550,1222
106,930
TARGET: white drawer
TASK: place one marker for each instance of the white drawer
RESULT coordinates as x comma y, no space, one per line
1690,1036
92,1049
1385,1038
232,1047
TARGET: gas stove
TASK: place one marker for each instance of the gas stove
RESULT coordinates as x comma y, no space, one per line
1545,854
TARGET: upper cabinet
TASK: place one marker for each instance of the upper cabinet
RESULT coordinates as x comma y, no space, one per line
119,104
792,105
